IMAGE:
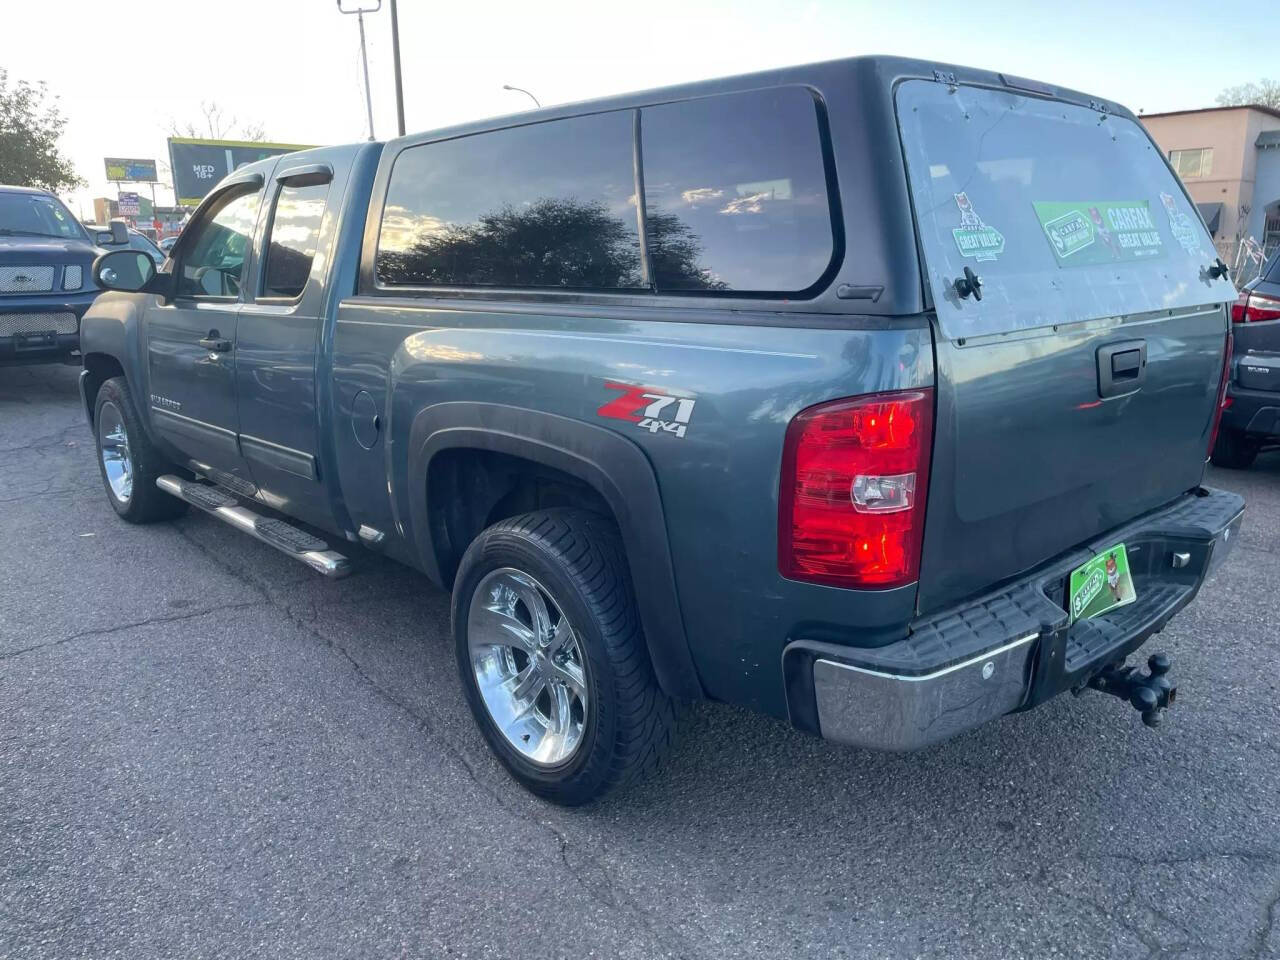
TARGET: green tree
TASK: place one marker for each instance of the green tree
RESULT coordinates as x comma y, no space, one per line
1264,93
30,127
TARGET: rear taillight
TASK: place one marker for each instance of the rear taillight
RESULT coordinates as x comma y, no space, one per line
1254,307
1223,400
852,497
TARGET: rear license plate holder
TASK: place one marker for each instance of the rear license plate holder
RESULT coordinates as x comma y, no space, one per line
1100,584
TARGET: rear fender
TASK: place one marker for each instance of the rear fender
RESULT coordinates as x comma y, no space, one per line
611,465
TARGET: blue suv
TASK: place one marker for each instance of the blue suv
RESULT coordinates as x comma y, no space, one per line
45,280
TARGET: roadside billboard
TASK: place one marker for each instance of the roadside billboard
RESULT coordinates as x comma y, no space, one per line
127,204
199,164
124,170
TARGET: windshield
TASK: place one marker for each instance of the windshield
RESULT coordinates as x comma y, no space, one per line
37,215
1066,214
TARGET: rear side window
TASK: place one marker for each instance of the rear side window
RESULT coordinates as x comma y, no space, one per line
1064,213
291,246
736,193
545,205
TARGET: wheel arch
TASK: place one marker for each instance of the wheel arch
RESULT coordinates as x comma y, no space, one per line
616,469
98,369
110,346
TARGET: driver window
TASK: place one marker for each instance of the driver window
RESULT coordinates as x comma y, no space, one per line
214,260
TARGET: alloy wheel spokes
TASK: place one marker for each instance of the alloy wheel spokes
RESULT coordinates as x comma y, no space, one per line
113,444
528,665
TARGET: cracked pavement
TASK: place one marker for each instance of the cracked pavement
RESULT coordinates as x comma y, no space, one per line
207,750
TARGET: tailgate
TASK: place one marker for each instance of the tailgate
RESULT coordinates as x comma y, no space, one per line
1079,391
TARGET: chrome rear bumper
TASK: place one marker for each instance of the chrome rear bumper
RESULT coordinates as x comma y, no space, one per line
894,711
1011,649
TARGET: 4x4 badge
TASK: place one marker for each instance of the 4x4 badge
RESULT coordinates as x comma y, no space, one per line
649,408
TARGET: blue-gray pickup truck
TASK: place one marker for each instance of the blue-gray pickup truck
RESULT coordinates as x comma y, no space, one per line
875,395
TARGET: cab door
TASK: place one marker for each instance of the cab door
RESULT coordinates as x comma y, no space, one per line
191,339
278,338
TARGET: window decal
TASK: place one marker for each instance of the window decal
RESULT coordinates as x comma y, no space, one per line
1099,231
973,237
1184,231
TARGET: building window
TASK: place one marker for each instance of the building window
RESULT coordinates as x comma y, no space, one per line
1192,163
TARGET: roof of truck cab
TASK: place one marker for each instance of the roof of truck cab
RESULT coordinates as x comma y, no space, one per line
884,71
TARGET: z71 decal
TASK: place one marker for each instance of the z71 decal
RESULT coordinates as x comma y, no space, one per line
649,408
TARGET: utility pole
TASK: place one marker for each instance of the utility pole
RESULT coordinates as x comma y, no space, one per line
395,60
364,54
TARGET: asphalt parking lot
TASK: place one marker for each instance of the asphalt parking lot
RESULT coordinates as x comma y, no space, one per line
208,750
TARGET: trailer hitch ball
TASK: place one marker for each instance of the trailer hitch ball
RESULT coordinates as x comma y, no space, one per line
1150,694
1146,702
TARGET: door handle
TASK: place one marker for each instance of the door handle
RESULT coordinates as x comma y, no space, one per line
215,343
1122,368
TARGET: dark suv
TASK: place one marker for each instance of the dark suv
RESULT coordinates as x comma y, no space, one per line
1251,418
45,282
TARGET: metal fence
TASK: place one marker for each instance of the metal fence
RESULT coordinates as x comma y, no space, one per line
1244,256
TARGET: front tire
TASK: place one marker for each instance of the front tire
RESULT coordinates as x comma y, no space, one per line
128,460
1234,450
552,658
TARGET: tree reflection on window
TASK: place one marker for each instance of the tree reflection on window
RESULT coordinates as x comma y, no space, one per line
550,242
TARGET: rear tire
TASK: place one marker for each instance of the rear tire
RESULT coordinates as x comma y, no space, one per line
564,570
128,460
1234,450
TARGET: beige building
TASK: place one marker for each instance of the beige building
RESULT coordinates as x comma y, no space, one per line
1229,159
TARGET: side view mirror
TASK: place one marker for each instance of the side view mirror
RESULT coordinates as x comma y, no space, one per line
127,270
119,232
103,239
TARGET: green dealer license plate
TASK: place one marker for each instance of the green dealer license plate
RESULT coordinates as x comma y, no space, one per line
1100,585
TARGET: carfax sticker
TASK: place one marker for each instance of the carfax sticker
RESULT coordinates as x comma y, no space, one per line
1101,584
1082,232
649,408
973,237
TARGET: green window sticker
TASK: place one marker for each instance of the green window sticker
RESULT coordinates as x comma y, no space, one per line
1084,232
973,237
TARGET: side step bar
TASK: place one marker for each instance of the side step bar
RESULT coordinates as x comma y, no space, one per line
285,537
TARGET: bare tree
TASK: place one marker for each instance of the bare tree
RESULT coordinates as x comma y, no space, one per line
1264,93
218,125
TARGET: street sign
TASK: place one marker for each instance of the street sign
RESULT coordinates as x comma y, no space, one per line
123,170
199,164
127,205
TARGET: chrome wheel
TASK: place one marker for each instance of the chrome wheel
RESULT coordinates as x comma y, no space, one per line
113,447
529,666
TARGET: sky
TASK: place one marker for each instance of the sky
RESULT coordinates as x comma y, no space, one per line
124,71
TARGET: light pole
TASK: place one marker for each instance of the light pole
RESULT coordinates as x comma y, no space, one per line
395,62
507,86
360,11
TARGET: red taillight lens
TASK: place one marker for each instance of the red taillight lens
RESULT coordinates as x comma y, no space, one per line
852,497
1223,401
1254,307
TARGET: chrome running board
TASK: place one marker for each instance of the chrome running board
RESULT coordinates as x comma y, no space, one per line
284,536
